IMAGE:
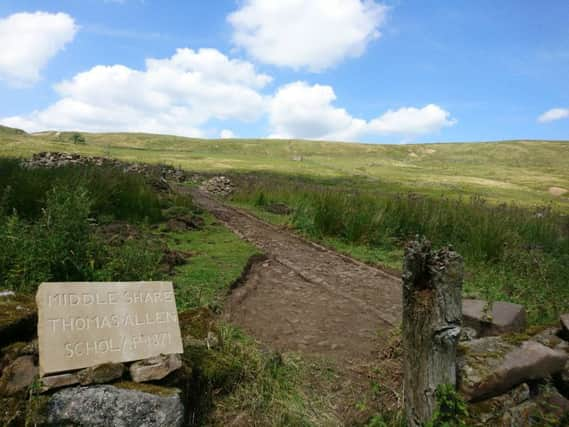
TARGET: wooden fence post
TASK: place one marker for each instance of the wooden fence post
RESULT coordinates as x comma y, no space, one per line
432,316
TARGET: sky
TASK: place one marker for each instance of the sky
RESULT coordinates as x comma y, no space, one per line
394,71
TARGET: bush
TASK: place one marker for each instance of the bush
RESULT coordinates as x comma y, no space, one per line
61,246
133,261
56,247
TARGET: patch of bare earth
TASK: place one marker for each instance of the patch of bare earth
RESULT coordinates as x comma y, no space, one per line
558,191
307,299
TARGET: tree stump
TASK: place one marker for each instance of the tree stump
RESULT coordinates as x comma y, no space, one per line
432,316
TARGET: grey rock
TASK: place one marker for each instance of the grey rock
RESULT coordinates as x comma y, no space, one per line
492,410
218,185
155,368
550,338
18,376
114,406
101,374
490,366
548,408
53,382
495,318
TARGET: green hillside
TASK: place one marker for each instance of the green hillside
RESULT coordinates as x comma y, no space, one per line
529,172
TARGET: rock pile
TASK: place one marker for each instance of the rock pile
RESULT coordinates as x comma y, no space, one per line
55,159
86,396
517,378
218,186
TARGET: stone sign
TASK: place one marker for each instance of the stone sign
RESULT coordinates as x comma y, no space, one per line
89,323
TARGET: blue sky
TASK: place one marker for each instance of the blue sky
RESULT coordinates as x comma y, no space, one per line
388,72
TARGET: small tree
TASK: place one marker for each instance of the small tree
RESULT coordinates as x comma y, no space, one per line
77,138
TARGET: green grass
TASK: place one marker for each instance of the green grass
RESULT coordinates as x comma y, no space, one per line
218,258
521,171
113,194
512,253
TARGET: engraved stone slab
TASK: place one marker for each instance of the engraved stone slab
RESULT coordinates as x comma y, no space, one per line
85,324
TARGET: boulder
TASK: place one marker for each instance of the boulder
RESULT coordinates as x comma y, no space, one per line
18,376
495,318
101,374
122,405
492,410
548,408
57,381
15,350
18,318
155,368
550,338
490,366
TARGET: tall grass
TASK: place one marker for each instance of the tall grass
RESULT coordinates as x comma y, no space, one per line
47,232
512,252
113,193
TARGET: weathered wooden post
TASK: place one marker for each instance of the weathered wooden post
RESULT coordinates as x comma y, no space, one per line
432,315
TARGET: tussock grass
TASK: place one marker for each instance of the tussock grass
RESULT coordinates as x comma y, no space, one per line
112,193
512,252
271,390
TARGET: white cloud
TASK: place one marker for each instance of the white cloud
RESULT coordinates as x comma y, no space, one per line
412,121
554,114
226,134
28,41
299,110
176,95
312,34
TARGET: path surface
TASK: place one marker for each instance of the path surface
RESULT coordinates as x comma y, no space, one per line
307,298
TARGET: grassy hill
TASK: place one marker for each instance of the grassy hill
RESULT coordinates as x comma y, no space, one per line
528,172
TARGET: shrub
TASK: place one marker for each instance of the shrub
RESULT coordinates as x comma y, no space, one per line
58,244
451,410
56,247
133,261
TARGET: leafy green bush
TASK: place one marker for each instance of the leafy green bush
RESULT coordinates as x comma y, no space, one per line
60,245
133,261
451,410
54,247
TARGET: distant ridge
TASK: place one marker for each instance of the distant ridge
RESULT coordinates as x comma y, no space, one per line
5,130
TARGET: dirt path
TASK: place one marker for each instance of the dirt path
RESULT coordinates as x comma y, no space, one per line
307,298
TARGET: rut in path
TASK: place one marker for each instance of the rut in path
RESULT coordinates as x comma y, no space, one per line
307,298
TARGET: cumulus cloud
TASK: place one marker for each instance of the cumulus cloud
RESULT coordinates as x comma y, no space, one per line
299,110
412,121
311,34
176,95
29,41
226,134
554,114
